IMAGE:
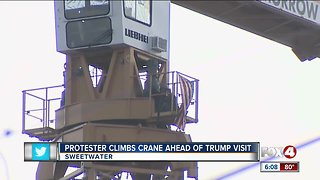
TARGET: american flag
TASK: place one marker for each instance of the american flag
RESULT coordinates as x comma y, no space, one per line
186,88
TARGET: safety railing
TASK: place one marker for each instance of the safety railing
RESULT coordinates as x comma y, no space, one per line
39,105
38,109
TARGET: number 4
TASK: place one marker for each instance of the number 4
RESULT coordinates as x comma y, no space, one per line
289,152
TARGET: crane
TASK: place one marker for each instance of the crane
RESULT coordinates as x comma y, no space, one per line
117,83
117,88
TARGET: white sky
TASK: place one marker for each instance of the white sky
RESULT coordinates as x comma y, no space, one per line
251,89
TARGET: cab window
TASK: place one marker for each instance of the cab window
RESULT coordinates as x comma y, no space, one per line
74,9
138,10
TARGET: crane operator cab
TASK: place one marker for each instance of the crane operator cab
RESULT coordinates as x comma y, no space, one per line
87,24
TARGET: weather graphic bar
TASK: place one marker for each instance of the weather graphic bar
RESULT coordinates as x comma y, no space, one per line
279,166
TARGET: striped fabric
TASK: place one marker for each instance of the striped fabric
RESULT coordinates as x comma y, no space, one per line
186,88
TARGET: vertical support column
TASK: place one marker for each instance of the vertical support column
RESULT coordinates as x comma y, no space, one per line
78,82
122,78
45,171
90,172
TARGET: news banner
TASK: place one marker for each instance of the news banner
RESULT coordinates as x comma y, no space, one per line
192,151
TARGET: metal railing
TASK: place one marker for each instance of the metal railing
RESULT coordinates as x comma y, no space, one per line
38,107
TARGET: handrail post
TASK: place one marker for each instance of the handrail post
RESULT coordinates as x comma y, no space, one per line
46,110
43,113
150,91
197,100
173,95
177,87
23,111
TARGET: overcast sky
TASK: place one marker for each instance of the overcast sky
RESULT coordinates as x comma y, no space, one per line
251,89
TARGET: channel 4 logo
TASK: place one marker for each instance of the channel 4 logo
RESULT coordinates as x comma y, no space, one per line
278,152
40,151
